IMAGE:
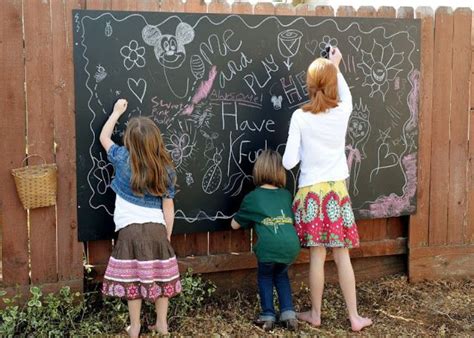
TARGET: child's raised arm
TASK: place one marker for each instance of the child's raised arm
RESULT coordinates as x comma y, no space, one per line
105,135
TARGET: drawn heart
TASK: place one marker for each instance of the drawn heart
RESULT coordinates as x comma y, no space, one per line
355,41
388,159
311,46
385,159
138,88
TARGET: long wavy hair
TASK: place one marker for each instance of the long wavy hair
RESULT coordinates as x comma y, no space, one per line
149,159
321,80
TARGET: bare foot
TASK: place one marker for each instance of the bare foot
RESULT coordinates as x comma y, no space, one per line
310,317
358,323
158,328
133,331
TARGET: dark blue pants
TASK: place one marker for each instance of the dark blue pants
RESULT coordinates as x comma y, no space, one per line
269,275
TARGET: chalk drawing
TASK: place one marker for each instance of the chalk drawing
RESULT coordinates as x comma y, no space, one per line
325,43
108,31
103,175
100,74
289,44
133,55
311,46
276,100
137,87
189,179
212,179
355,41
380,67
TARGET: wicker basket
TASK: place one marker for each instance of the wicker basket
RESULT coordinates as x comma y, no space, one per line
36,184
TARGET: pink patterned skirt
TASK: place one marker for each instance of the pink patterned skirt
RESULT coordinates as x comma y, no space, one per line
324,216
143,264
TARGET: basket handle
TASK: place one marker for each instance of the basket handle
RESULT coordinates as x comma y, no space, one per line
32,155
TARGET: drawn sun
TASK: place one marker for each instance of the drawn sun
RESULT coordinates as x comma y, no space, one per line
380,66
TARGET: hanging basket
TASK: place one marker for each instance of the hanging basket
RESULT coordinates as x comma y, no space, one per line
36,184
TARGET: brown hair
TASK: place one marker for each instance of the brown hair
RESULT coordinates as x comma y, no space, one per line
268,169
148,157
321,80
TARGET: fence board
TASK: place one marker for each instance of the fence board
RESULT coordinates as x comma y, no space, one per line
98,4
13,224
441,110
148,5
39,107
324,11
346,11
219,241
458,148
419,223
69,249
171,6
469,232
196,243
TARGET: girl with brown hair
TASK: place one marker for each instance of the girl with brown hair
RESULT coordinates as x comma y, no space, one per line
143,264
267,209
322,206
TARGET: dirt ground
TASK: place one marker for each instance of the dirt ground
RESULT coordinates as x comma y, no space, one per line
436,308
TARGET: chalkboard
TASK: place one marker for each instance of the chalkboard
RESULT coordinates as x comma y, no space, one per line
223,87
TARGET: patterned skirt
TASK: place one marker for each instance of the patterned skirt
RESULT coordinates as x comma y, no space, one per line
143,264
324,216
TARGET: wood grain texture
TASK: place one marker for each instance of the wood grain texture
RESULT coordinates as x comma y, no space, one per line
40,131
419,223
459,121
70,250
13,221
441,110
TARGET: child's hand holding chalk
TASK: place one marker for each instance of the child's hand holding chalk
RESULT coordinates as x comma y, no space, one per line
120,107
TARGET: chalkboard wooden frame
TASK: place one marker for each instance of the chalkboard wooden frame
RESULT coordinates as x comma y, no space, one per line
228,89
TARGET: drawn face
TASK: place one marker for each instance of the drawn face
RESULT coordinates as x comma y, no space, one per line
379,73
169,49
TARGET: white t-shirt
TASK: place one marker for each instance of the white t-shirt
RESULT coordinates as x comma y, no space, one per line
127,213
318,141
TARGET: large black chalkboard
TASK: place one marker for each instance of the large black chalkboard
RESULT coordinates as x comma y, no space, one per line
222,87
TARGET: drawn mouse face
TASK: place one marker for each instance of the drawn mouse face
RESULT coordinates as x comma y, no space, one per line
169,49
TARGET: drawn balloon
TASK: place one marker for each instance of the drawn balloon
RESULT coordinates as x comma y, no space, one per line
108,29
197,67
213,177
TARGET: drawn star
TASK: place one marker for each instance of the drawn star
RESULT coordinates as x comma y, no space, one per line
384,134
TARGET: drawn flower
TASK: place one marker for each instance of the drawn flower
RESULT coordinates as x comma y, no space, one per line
180,147
133,55
327,42
379,67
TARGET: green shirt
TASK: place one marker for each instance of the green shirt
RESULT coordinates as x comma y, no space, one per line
269,212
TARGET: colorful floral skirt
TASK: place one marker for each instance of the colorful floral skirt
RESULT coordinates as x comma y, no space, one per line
143,264
324,216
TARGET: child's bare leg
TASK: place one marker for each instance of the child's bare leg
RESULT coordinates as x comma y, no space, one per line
134,307
347,282
316,285
161,308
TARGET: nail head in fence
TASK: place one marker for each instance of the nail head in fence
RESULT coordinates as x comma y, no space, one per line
36,184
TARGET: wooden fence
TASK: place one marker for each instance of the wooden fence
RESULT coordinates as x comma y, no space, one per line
37,103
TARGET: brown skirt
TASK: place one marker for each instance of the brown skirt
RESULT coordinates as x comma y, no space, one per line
143,264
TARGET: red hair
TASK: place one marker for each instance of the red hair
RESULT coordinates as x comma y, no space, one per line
321,80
